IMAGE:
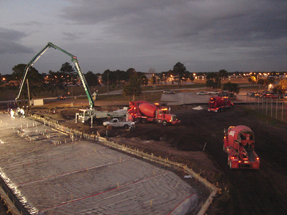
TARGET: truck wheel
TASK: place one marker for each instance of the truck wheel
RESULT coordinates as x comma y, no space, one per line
164,122
126,126
230,165
88,121
144,121
138,120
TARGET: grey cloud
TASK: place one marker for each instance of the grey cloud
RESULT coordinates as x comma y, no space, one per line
184,21
213,30
9,42
71,36
30,23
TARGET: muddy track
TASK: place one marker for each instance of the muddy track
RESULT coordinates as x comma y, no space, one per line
260,191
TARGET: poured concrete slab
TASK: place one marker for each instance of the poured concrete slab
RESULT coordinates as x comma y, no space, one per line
51,174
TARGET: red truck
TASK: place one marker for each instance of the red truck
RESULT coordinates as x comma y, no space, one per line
143,111
218,103
239,142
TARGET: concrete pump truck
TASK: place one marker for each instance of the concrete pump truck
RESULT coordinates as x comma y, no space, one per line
85,115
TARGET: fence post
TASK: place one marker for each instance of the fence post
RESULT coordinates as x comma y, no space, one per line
266,105
271,102
262,105
276,107
282,110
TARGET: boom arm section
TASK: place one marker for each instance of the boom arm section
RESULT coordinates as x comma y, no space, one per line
73,59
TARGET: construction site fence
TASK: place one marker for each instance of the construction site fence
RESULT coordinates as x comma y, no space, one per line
124,148
271,107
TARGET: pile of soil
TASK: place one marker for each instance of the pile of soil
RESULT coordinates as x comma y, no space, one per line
197,141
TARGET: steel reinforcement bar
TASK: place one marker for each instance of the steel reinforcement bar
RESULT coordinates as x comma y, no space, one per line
163,161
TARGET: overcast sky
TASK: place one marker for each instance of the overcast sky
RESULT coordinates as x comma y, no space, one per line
204,35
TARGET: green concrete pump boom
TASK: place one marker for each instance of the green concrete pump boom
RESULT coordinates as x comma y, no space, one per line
73,59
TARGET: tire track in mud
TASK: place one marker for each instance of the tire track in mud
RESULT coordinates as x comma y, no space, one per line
251,191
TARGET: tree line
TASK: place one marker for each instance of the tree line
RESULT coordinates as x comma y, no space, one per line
130,80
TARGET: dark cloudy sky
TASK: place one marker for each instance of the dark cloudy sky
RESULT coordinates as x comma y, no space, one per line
204,35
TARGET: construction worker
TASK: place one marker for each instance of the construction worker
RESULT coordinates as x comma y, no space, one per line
22,112
18,111
12,113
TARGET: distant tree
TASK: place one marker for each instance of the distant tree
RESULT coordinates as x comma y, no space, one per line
131,72
165,75
153,79
211,75
260,81
55,82
33,75
252,79
179,70
152,70
284,84
191,77
121,76
212,79
106,76
236,73
231,87
221,75
134,87
217,77
68,74
268,81
144,80
142,77
35,79
92,79
209,83
280,89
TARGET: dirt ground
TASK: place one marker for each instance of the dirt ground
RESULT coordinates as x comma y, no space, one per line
262,191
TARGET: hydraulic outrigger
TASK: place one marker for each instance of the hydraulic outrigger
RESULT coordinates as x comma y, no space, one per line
73,59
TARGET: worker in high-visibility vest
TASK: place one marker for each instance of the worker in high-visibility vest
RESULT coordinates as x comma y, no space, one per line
12,113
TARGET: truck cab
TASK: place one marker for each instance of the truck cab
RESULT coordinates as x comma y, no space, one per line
85,115
164,117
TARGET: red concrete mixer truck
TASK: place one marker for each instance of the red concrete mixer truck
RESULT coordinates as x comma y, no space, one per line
143,111
218,103
238,143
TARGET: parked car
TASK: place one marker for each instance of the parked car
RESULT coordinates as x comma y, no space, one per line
257,95
168,92
224,95
61,97
201,93
117,123
270,96
213,93
231,95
